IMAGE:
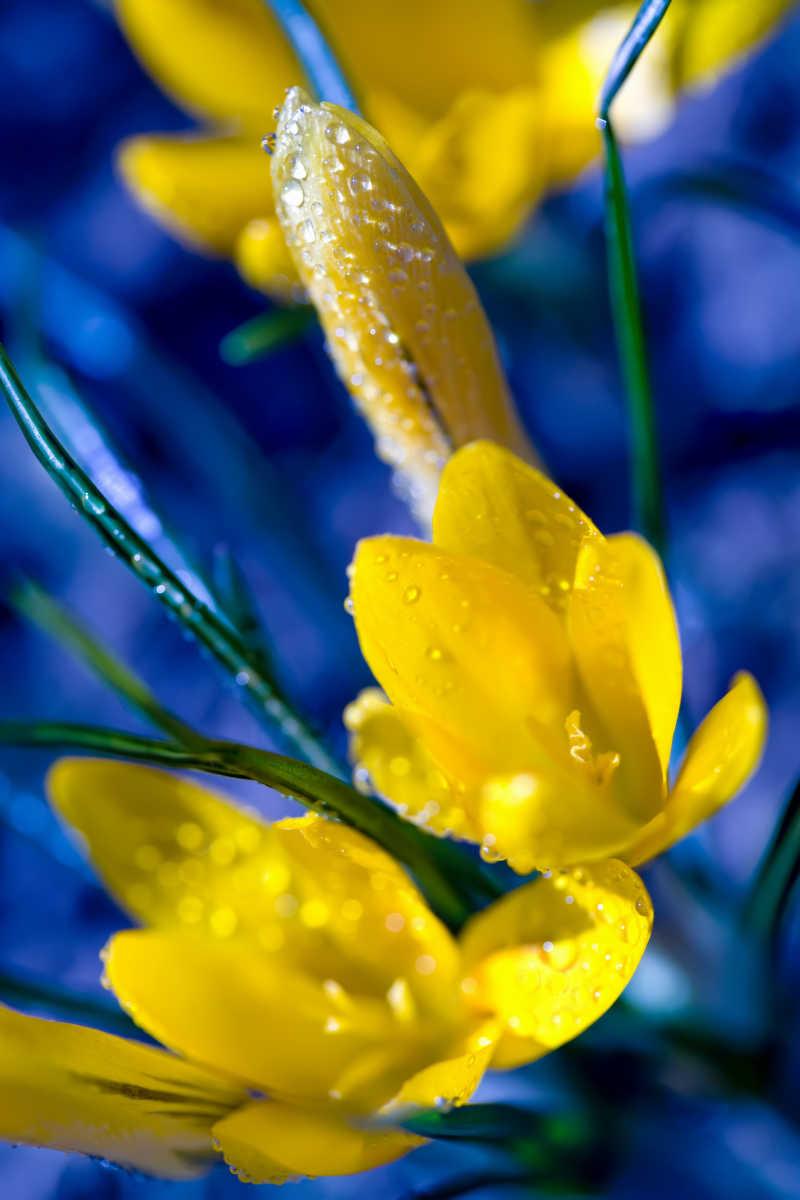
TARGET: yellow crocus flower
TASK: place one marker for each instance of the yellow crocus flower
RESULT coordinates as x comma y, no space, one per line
534,673
488,107
308,991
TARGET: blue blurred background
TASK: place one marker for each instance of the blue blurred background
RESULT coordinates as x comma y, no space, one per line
269,460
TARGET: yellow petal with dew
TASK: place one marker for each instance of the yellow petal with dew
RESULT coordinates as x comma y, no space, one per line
398,752
269,1142
73,1088
265,263
402,318
722,755
227,61
259,1020
551,957
464,643
604,636
495,507
202,189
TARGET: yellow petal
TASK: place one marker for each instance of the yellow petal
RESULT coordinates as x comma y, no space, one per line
397,750
394,935
309,891
229,61
265,263
652,636
256,1019
554,955
722,755
495,507
164,847
269,1142
563,812
73,1088
202,189
709,37
453,1080
464,643
427,53
482,207
403,321
609,643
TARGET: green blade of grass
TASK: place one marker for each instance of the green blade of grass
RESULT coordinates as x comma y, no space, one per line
648,498
206,626
648,501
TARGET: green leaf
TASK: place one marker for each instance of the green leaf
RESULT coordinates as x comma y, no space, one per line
265,335
208,627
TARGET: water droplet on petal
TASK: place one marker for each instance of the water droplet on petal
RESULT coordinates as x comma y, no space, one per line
292,193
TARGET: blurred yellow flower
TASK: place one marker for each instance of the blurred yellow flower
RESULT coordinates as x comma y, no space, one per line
534,674
488,106
310,993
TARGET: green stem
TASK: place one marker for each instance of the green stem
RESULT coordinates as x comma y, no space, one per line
449,878
212,631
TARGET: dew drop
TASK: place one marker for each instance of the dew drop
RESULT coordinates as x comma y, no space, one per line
268,143
292,193
411,594
339,134
297,168
307,232
359,182
93,504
